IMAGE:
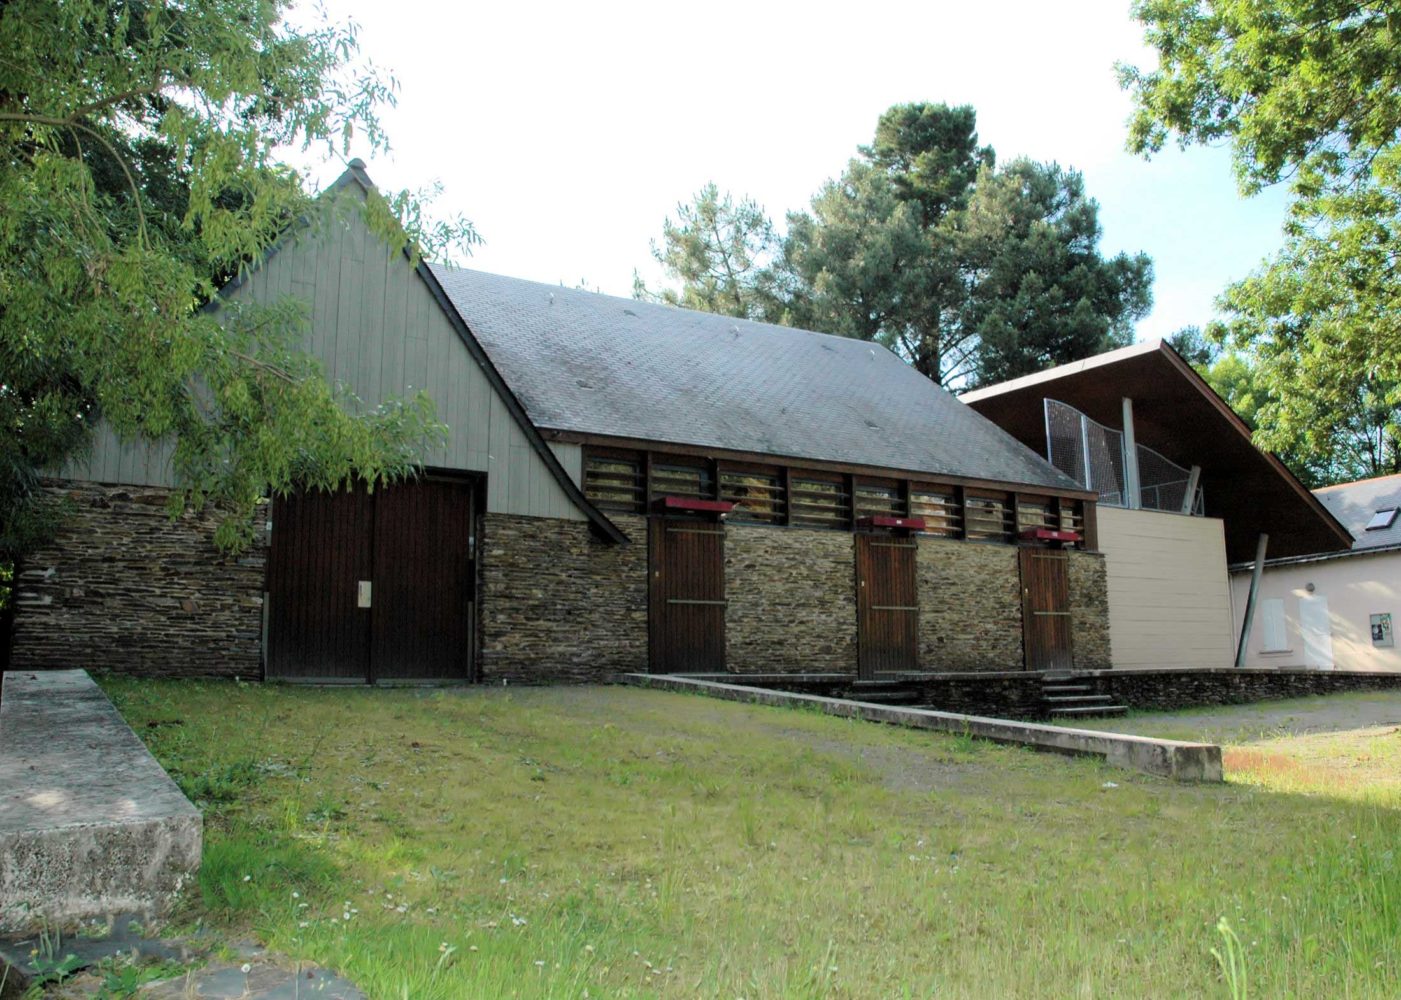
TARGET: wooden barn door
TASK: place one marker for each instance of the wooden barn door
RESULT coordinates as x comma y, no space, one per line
365,587
1046,609
422,618
887,605
317,630
686,596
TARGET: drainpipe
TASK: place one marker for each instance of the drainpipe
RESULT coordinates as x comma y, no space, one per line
1134,498
1250,601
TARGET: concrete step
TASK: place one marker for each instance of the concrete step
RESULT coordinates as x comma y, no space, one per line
1066,688
1078,699
1083,711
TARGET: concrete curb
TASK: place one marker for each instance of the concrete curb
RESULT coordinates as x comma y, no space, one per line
1167,758
90,824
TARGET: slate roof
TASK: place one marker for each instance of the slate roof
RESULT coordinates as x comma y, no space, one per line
1354,504
590,363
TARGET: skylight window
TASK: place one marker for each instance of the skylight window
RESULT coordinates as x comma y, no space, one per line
1382,519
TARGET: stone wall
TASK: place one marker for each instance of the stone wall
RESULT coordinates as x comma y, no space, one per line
125,588
1089,611
791,596
559,605
970,606
1173,689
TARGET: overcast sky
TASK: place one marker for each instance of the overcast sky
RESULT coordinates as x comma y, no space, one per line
568,132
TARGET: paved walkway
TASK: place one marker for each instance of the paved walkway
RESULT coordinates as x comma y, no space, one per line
262,981
254,975
1235,724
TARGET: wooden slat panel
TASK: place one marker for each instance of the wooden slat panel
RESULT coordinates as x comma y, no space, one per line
320,550
887,604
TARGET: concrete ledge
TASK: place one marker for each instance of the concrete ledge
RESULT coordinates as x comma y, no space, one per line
90,824
1168,758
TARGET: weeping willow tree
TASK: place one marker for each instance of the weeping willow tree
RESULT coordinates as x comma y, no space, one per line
139,170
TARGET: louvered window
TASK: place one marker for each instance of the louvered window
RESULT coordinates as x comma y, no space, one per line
939,509
1032,514
757,496
615,483
691,481
878,500
819,503
988,518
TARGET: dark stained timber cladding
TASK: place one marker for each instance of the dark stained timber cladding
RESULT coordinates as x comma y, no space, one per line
887,604
423,611
411,544
1046,614
320,552
687,596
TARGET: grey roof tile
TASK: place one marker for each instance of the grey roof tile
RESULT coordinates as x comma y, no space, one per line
591,363
1353,504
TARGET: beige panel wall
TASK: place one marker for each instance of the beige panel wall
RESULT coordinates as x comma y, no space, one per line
1169,596
375,326
1356,587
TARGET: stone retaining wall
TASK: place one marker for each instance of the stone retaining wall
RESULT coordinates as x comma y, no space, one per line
970,606
1089,611
1173,689
791,596
557,604
1001,694
123,587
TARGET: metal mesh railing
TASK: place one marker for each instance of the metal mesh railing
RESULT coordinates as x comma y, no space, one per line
1087,451
1162,483
1093,455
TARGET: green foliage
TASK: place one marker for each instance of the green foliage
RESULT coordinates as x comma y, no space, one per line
1307,91
1045,295
721,252
969,272
1323,320
1231,959
1285,83
138,171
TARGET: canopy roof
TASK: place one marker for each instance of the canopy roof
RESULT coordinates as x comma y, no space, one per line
1176,413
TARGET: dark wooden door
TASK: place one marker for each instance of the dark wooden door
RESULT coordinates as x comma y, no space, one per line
365,587
422,618
320,554
1046,609
686,596
887,605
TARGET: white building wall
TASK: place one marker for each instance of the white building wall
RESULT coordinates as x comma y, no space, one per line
1355,587
1169,592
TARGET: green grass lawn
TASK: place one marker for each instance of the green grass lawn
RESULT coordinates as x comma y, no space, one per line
625,843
